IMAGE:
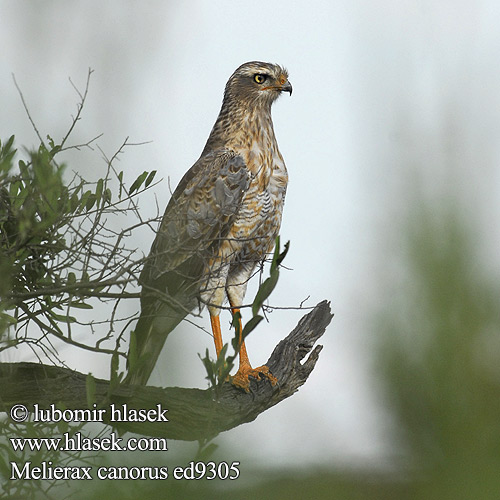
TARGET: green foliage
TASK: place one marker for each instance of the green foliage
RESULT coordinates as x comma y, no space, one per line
56,251
34,210
145,178
59,256
218,370
439,358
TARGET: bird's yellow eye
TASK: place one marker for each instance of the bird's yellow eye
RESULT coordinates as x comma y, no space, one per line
258,78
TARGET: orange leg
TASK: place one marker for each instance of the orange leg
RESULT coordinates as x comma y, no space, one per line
245,369
215,322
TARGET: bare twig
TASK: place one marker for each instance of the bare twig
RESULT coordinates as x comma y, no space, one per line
80,105
28,112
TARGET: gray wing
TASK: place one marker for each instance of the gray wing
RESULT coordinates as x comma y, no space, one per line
196,220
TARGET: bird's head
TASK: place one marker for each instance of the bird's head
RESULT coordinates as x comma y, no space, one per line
257,84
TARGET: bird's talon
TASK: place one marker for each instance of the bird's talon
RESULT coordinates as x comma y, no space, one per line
241,380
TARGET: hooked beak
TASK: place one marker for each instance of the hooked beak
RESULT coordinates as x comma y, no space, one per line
286,87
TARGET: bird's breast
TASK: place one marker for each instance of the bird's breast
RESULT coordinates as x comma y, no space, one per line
259,217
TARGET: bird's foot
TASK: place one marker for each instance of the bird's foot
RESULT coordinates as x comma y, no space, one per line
240,379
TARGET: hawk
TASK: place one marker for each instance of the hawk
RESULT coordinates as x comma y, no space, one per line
221,221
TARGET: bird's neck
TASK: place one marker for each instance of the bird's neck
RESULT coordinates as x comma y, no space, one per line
242,129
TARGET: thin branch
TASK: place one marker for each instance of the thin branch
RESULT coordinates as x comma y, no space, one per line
79,106
28,112
87,144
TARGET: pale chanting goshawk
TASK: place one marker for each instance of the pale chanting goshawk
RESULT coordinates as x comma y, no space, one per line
221,221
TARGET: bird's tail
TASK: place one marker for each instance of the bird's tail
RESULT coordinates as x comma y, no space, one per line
147,341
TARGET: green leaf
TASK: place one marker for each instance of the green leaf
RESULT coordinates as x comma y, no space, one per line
84,200
251,325
138,183
282,255
6,155
63,318
208,367
74,202
221,358
150,178
14,188
264,291
99,189
276,252
120,179
50,141
20,197
107,195
90,389
55,149
7,147
81,305
23,168
278,257
90,201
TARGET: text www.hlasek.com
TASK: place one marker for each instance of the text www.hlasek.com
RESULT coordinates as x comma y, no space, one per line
78,442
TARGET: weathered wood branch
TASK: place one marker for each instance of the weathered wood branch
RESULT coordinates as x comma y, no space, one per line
192,413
